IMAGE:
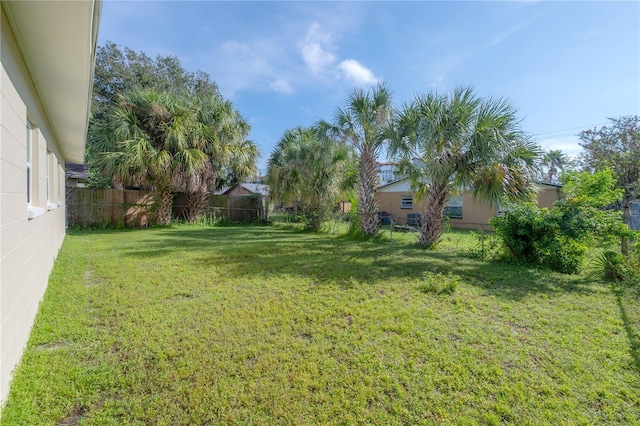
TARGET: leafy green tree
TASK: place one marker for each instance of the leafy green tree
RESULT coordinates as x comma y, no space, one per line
446,144
559,238
362,125
147,140
616,147
307,169
121,70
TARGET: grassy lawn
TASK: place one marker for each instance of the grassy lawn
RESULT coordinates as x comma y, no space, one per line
267,325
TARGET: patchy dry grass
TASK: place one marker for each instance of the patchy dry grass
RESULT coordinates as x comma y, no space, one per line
267,325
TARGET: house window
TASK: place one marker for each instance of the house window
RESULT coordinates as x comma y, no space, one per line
387,176
52,180
406,201
32,176
29,160
48,176
453,208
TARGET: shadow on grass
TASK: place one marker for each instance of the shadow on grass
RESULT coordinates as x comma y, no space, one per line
626,295
337,260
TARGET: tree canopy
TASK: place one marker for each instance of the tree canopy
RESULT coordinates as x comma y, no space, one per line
121,70
158,126
170,143
554,162
308,170
449,143
616,147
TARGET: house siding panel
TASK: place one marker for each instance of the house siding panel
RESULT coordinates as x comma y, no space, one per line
547,196
13,178
12,122
10,149
28,246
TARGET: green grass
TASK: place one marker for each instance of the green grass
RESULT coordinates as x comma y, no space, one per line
269,325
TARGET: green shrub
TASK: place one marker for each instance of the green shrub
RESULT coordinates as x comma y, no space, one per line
555,239
560,238
610,263
562,254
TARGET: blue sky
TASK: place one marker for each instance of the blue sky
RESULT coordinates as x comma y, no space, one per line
566,66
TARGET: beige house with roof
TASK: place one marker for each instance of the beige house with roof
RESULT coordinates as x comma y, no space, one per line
464,211
48,57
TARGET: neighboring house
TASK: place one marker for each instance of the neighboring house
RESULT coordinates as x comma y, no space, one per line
387,172
634,220
47,56
463,211
76,175
248,189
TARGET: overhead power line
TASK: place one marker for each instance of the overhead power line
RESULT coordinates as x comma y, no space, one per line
569,132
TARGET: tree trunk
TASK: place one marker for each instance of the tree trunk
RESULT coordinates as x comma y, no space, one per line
367,203
164,206
431,227
314,219
197,202
626,217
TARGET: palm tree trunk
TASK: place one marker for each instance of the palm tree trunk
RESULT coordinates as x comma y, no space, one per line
367,203
164,206
626,217
431,227
197,202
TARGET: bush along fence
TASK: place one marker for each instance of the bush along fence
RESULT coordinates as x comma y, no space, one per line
92,207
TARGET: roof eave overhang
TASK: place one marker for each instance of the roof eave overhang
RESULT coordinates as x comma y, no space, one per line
57,41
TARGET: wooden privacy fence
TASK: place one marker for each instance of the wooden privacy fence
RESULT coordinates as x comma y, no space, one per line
88,207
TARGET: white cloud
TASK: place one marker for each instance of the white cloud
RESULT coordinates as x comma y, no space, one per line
357,73
252,64
281,85
567,144
315,49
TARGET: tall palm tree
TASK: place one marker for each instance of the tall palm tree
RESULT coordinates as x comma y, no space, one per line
461,142
147,140
362,125
555,161
221,133
307,169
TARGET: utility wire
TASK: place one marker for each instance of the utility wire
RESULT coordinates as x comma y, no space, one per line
564,132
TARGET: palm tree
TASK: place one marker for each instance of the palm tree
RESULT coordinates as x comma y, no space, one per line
147,140
307,169
554,161
460,142
221,133
362,125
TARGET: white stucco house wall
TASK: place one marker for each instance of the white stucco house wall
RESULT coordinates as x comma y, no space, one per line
48,57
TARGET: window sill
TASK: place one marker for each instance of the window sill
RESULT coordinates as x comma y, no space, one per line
33,212
51,206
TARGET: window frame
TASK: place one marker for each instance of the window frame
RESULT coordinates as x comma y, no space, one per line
29,163
404,204
452,206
